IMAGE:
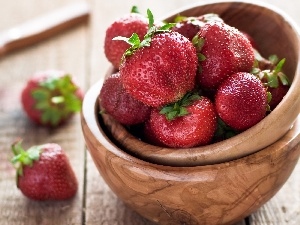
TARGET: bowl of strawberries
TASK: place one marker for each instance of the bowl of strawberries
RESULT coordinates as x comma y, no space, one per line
197,116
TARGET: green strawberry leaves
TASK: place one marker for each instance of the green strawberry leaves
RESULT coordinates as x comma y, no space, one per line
56,98
199,43
134,40
24,158
224,131
178,109
272,77
135,9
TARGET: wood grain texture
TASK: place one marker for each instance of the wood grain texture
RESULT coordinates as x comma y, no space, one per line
80,52
42,27
214,194
15,69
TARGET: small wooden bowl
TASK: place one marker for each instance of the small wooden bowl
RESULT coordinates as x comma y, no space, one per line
222,193
263,23
216,184
275,33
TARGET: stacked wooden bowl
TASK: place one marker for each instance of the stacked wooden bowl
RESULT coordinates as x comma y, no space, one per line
219,183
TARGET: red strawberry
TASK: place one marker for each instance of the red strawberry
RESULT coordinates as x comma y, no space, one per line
123,26
149,135
159,69
188,123
251,39
241,101
162,72
274,79
51,97
44,172
121,105
190,26
222,50
277,94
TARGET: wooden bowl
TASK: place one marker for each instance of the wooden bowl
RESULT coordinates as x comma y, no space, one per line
275,33
222,193
217,184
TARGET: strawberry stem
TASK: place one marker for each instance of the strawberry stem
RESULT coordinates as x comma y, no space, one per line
272,78
134,40
56,98
134,9
178,109
24,158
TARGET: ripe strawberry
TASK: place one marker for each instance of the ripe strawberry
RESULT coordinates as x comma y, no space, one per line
241,100
274,79
50,97
277,94
160,69
190,122
119,104
124,26
251,39
190,26
222,51
44,172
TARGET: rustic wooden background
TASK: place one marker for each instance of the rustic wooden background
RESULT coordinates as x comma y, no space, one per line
80,52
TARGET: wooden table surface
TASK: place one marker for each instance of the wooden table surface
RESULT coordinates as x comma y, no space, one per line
80,52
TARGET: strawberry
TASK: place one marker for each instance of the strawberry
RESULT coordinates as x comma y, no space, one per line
44,172
160,69
50,97
241,101
251,39
123,26
187,123
277,94
115,101
190,26
222,50
275,80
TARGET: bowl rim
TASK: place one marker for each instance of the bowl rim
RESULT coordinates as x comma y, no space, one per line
204,154
90,118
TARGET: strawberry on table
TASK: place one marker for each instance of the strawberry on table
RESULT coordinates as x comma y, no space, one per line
187,123
222,51
161,68
124,26
241,101
51,97
44,172
115,101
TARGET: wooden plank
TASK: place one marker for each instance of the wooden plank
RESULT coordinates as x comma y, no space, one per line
283,208
15,69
